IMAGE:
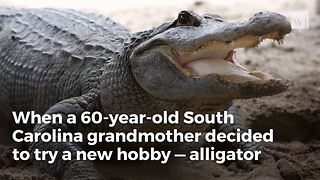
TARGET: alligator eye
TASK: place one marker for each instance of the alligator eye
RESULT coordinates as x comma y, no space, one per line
187,18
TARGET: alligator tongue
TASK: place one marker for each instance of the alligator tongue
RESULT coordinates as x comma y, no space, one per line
218,66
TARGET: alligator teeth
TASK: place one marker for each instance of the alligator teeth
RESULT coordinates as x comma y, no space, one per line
232,43
174,52
260,38
280,41
236,62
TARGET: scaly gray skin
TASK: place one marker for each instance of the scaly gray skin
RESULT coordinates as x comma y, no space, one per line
67,62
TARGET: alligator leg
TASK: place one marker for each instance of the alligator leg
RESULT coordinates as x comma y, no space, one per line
80,170
239,124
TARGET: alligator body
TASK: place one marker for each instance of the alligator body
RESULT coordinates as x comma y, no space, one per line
67,62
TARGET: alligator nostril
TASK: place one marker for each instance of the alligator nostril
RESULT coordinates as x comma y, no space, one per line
258,13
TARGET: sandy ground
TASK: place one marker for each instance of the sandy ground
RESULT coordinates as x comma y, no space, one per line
294,114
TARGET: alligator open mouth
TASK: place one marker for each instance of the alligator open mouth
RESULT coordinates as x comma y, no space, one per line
216,57
193,57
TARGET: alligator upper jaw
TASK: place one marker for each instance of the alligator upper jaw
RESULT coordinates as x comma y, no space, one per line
218,58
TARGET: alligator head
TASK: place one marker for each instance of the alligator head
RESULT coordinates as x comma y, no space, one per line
193,57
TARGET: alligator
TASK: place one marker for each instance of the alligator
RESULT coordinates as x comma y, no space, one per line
68,62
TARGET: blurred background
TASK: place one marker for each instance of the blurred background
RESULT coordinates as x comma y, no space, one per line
133,14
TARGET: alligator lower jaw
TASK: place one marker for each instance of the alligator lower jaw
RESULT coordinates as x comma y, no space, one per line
218,58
